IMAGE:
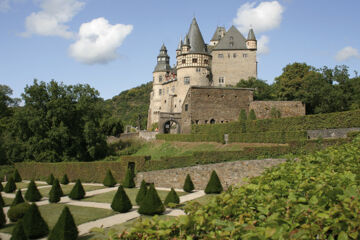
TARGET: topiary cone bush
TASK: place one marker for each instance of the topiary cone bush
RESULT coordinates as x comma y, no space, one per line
252,115
18,211
151,204
78,191
214,184
50,179
65,180
188,184
2,203
18,198
121,202
34,224
129,179
10,185
65,228
18,232
17,176
172,197
56,192
2,217
109,180
32,194
1,187
141,193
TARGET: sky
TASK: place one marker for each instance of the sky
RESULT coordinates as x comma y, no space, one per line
112,45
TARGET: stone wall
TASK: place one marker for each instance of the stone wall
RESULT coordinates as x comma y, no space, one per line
330,133
147,135
230,173
287,108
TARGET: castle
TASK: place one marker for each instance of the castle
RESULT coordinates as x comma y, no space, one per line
196,90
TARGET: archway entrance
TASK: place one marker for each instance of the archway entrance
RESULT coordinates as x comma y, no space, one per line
171,127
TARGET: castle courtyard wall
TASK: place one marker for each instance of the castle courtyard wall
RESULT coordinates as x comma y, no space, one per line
287,108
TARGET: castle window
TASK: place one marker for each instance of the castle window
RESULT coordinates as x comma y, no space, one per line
186,107
220,55
231,38
221,80
231,44
197,69
206,61
160,78
194,60
186,80
234,55
160,91
245,55
183,61
212,121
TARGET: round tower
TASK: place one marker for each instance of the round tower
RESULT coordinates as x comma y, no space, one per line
251,42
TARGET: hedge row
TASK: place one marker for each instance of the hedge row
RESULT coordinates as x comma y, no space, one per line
191,137
310,122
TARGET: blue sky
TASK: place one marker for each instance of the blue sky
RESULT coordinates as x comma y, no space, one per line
112,45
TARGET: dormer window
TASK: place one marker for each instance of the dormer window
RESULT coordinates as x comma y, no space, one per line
160,79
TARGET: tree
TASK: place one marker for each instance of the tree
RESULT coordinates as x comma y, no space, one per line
65,228
214,184
151,204
129,179
50,179
6,101
56,192
262,90
65,180
252,115
141,193
188,184
18,211
10,185
18,198
17,176
121,202
18,232
34,224
32,194
109,180
172,197
112,126
78,191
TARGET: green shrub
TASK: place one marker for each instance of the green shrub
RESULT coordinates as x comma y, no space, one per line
141,193
121,202
10,186
188,184
18,232
65,228
34,224
172,197
129,179
109,180
17,176
1,187
243,116
2,203
56,192
65,180
18,211
252,115
78,191
32,194
275,113
214,184
18,198
151,204
50,179
2,217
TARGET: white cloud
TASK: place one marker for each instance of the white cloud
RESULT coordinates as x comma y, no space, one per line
264,17
4,5
262,45
347,53
52,19
98,40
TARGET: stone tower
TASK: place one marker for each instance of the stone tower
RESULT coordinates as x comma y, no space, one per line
251,42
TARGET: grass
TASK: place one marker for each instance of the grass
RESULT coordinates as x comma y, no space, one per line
51,213
22,185
8,201
204,199
131,192
67,189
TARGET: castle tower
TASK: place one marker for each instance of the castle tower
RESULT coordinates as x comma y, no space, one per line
193,64
160,74
218,35
251,42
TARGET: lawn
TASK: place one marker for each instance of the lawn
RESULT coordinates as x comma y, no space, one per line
8,201
204,199
51,213
67,189
131,192
21,185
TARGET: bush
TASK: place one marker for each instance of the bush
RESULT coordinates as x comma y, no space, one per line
2,203
10,186
34,224
252,115
243,116
17,176
18,198
1,187
18,232
2,217
32,194
50,179
65,228
141,193
121,202
109,180
129,179
56,192
172,197
78,191
214,184
65,180
151,204
188,184
17,212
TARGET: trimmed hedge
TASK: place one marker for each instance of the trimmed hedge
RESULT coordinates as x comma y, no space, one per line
10,186
65,228
214,184
18,211
32,193
18,198
18,232
34,224
191,137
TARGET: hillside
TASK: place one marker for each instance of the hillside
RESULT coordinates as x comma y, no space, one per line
129,104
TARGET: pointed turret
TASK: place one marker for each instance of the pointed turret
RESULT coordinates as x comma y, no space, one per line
163,60
180,44
251,35
186,40
197,44
186,45
251,42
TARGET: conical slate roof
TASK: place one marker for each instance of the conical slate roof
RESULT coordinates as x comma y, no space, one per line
186,40
163,61
218,33
251,35
197,43
180,44
233,40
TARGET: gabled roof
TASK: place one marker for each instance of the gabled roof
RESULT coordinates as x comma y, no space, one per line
218,33
233,40
197,43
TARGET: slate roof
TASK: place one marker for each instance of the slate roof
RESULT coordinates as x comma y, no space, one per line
233,40
197,43
218,33
163,66
251,35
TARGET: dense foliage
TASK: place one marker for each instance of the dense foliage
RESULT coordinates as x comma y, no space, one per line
121,202
129,179
65,179
17,176
18,211
56,192
316,197
214,184
10,185
65,228
2,217
50,179
141,193
172,197
34,224
32,193
18,198
77,192
109,180
18,232
151,204
188,184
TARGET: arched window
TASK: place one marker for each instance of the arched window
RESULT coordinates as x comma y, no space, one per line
212,121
